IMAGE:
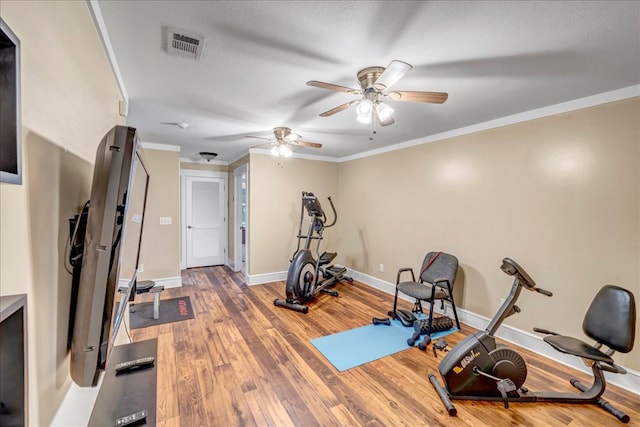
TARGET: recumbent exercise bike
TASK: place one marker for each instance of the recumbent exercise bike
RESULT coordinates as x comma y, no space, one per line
307,276
478,369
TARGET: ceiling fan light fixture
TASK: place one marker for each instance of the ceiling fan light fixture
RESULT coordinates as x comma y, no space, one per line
384,111
364,118
363,111
364,108
285,151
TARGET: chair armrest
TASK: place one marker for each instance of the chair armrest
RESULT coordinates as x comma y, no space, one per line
402,270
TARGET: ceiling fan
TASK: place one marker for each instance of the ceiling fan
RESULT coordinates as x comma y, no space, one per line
375,83
284,140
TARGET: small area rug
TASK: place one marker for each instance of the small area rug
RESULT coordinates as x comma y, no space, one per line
355,347
171,310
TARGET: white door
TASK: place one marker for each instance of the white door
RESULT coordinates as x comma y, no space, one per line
205,221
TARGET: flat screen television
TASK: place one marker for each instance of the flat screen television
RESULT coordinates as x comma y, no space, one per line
110,254
10,122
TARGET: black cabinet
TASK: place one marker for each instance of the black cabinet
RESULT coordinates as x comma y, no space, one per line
125,394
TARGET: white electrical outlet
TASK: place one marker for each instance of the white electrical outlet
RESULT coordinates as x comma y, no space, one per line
381,268
165,220
141,268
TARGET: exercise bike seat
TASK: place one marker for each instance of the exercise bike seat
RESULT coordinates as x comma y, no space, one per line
610,320
578,348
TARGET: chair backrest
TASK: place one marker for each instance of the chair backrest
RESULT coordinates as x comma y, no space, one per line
611,318
444,267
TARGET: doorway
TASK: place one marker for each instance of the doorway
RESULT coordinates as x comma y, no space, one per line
204,218
241,224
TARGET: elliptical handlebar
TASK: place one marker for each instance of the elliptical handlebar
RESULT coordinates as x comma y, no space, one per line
335,214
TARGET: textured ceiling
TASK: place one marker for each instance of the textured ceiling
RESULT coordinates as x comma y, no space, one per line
494,59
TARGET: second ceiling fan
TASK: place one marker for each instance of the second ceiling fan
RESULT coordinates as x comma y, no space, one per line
285,139
375,83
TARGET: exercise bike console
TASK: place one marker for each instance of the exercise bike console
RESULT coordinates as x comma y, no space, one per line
479,369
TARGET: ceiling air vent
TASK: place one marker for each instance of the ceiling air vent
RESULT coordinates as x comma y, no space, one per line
183,43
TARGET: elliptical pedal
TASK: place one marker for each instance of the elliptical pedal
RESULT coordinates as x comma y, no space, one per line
326,258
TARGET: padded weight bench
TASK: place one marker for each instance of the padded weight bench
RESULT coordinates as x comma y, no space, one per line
149,286
144,286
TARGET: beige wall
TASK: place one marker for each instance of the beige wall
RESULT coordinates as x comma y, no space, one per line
274,208
560,195
160,250
204,166
69,101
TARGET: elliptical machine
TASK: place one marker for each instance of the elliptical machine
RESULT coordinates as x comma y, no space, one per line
307,276
478,369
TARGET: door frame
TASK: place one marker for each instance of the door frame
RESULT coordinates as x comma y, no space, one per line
184,173
237,236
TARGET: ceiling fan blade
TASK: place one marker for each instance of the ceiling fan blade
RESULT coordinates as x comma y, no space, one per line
330,86
432,97
390,76
306,144
259,137
338,108
262,145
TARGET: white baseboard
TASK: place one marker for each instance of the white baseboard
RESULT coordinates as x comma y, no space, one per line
258,279
77,405
169,282
534,343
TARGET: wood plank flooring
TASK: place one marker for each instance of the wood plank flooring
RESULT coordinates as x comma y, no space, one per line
244,362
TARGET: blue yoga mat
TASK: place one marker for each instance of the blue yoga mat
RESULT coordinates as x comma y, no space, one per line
355,347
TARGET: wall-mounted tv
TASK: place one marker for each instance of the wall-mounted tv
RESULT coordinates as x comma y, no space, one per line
10,122
109,262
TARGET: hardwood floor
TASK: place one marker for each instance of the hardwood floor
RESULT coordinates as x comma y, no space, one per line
244,362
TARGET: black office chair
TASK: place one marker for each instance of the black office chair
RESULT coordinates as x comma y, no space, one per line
436,280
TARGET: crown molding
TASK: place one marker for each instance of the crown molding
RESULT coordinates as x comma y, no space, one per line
163,147
564,107
295,155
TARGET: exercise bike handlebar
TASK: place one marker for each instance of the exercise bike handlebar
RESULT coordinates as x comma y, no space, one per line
509,307
512,268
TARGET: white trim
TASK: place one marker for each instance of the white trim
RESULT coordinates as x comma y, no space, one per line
169,282
203,173
534,343
204,162
295,155
238,157
77,405
96,13
564,107
156,146
258,279
237,240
